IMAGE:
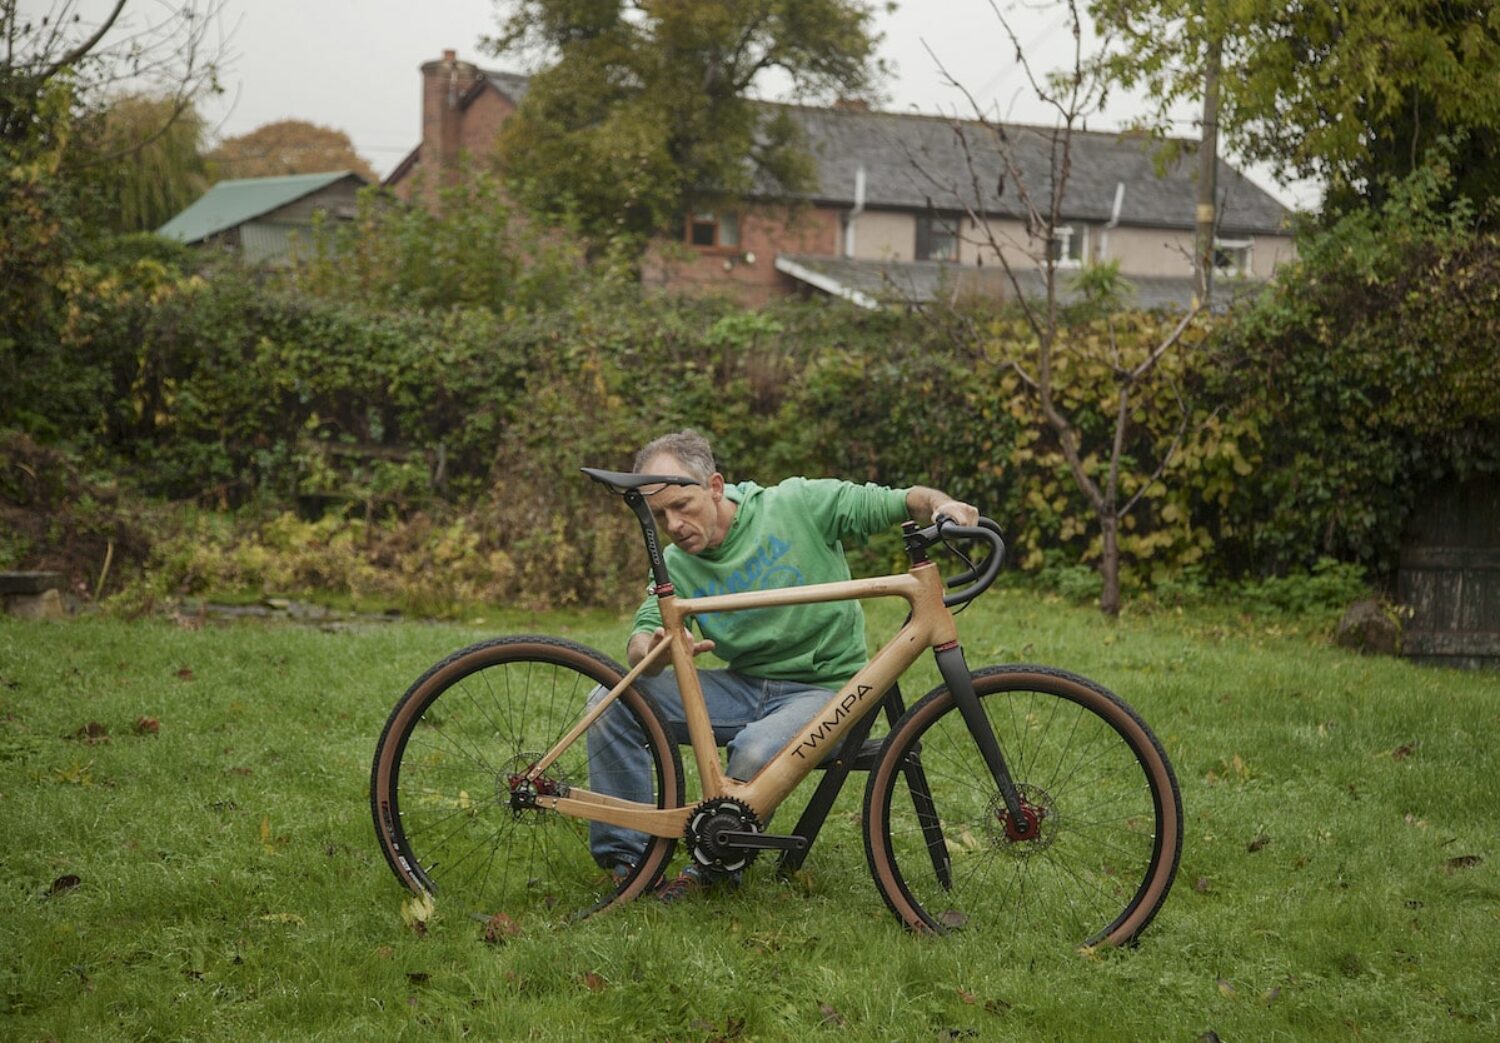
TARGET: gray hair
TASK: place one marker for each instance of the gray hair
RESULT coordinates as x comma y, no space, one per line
689,447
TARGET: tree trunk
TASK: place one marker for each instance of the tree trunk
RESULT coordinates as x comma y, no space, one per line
1109,566
1208,169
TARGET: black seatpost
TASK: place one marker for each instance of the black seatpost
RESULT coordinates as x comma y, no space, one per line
653,548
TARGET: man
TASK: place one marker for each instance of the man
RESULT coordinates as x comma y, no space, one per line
783,662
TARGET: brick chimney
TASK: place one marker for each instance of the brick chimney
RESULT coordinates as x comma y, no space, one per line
444,84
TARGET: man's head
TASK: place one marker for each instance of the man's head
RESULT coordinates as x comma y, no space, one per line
694,517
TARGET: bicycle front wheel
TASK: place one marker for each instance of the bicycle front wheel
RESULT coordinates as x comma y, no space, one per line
1099,796
448,768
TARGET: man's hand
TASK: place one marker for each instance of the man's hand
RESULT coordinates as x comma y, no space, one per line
926,504
642,644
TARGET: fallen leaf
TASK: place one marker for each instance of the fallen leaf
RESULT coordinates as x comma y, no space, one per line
593,982
996,1006
417,910
967,997
418,977
1201,885
831,1016
1462,862
1405,750
500,928
385,952
185,673
146,726
1259,842
1226,988
64,883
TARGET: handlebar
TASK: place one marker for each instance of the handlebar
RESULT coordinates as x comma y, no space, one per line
980,576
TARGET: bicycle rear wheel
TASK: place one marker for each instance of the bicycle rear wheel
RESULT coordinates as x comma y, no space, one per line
447,767
1095,786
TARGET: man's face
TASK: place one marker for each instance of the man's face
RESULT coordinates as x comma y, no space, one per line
688,515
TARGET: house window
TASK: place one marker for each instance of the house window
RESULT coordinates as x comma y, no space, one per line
937,238
1069,246
1232,257
711,228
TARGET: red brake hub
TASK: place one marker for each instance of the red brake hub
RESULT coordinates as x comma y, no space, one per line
1030,824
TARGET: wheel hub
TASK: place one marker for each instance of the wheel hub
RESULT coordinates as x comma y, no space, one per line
1035,829
520,792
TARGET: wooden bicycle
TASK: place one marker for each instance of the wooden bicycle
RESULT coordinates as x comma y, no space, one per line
1008,797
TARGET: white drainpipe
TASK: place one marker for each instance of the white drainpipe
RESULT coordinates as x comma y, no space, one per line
859,208
1114,219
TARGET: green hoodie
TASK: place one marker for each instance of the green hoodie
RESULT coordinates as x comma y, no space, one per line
789,535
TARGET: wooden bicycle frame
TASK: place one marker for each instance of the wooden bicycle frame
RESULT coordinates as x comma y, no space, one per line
930,626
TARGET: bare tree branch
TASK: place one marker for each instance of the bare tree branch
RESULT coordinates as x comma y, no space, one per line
87,46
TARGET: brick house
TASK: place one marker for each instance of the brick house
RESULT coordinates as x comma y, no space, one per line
894,216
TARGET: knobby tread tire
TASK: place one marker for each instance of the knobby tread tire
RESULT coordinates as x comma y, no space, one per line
972,846
565,657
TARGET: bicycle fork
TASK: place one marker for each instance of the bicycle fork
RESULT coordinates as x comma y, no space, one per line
955,671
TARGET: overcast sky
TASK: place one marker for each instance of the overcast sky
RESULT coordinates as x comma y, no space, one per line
353,64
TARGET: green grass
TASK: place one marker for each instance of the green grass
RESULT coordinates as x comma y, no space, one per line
1339,876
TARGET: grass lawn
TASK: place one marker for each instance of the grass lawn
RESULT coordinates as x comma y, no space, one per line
190,856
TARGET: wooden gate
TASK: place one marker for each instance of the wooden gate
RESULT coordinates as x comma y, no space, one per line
1449,576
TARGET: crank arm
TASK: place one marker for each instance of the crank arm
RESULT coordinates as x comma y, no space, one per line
760,841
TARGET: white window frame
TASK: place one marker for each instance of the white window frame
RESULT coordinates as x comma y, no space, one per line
1232,247
721,220
1063,237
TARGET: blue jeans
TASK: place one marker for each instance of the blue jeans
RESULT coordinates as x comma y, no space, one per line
752,716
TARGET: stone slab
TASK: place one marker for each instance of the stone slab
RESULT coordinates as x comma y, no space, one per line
30,582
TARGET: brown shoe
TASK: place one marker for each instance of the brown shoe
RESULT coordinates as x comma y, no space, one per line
681,886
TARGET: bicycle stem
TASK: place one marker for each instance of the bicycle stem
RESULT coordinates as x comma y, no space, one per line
960,682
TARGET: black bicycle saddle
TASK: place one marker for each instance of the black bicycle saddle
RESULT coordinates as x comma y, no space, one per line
624,481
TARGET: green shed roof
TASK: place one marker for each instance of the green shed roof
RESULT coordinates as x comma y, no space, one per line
231,203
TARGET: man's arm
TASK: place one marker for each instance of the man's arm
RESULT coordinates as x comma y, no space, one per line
924,504
640,643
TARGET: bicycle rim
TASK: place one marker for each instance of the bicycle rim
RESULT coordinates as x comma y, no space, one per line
446,769
1097,790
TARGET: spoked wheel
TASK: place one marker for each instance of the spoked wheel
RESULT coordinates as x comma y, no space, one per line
1102,832
454,813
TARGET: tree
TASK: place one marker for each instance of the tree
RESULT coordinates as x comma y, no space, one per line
148,184
288,147
58,157
1354,92
644,109
1112,463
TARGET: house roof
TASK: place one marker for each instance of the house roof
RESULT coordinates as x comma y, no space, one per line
868,282
231,203
915,162
511,84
